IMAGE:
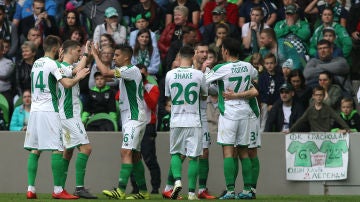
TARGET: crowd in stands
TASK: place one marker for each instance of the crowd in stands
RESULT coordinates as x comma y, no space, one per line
296,45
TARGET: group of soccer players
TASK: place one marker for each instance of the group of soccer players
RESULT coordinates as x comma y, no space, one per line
55,122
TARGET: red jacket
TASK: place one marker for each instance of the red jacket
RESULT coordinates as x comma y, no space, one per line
232,15
166,38
151,97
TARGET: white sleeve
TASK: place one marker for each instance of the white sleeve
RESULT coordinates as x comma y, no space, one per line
167,89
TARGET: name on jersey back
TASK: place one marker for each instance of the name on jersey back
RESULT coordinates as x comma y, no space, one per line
237,68
183,75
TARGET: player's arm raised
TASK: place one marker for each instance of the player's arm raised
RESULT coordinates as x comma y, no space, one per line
70,82
84,59
105,71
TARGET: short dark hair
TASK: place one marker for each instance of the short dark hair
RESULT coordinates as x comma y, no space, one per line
50,42
324,42
97,74
232,45
141,66
126,49
187,29
186,52
269,32
318,88
70,44
201,43
270,55
328,74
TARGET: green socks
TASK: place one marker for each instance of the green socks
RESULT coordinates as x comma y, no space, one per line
57,168
255,170
80,168
229,173
66,168
203,172
139,173
236,162
192,174
124,175
170,178
176,166
246,173
32,166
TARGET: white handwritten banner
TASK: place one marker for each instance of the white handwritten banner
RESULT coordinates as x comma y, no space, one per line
317,156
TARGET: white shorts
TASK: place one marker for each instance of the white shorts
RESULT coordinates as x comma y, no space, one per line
255,135
206,140
233,132
133,132
186,141
44,132
73,133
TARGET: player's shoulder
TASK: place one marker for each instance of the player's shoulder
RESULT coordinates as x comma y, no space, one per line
221,66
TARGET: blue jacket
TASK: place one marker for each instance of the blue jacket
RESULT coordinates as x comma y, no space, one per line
17,119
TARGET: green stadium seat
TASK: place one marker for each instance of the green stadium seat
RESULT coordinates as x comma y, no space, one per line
102,116
4,106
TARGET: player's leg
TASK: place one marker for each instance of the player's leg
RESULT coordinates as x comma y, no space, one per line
226,138
32,165
67,155
255,142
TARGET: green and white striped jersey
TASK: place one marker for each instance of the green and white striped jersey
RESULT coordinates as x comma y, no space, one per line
45,74
185,86
236,76
69,101
131,102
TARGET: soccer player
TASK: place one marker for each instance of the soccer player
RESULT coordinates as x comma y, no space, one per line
44,126
185,86
74,134
234,115
133,118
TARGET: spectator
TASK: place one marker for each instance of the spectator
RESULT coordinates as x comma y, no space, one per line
339,11
34,35
333,92
8,32
349,115
106,40
330,35
145,53
24,66
6,73
26,8
218,16
285,111
269,82
336,66
302,92
353,29
193,11
231,11
281,11
156,15
212,59
165,121
287,66
221,32
112,27
245,11
319,115
251,31
10,8
95,10
71,20
141,21
343,39
40,19
21,113
293,29
173,31
101,100
257,61
281,49
189,38
106,57
77,34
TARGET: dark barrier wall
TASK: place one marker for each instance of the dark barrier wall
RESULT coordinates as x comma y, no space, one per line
104,164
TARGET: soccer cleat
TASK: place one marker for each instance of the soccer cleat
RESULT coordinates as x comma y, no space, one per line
176,190
31,195
116,193
228,195
140,195
84,193
167,195
205,195
64,195
192,197
244,195
253,191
